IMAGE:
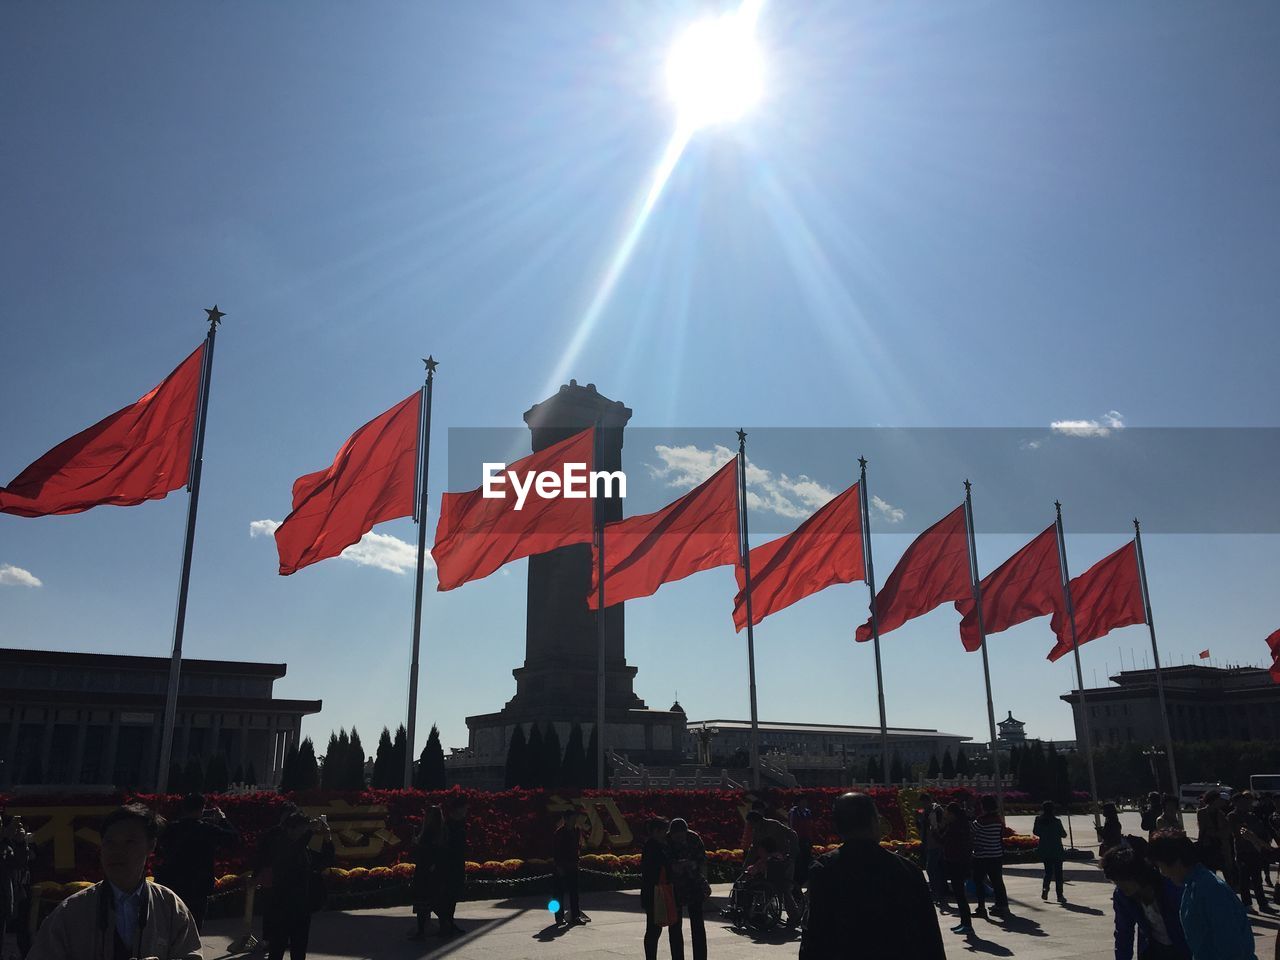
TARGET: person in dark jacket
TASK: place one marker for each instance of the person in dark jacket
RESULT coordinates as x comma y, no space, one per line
430,857
454,873
296,888
1050,832
957,860
1151,812
688,859
655,863
1146,907
17,855
864,902
187,849
566,846
988,858
1110,834
1251,850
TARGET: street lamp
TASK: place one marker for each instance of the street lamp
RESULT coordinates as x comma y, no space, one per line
1151,753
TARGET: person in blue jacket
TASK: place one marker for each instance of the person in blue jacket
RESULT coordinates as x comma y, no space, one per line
1214,920
1146,905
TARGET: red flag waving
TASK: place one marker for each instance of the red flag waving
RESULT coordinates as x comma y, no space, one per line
696,532
370,480
825,549
1106,596
477,534
1204,654
1273,642
1026,586
139,453
934,569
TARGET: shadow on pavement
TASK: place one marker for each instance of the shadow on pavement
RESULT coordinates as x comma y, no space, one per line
1078,908
975,944
1021,924
777,935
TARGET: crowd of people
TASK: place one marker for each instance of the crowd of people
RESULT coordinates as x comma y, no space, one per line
1173,898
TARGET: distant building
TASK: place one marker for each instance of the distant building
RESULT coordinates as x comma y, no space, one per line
71,719
1012,732
1204,703
816,753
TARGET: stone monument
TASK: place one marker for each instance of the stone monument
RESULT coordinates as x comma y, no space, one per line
557,684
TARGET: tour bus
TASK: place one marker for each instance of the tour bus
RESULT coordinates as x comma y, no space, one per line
1265,783
1189,794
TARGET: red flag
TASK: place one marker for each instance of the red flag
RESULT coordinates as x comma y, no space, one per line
1204,654
370,480
1273,642
825,549
696,532
1026,586
1106,596
139,453
476,534
934,569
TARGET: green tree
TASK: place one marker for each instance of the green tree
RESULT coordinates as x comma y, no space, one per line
573,769
962,762
251,772
551,758
948,765
873,771
308,773
193,775
354,779
289,769
896,772
534,758
935,770
516,750
431,762
216,776
331,765
382,763
399,747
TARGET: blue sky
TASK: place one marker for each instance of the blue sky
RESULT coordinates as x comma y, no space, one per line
993,215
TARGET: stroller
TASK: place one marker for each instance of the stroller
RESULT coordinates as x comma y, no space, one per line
754,902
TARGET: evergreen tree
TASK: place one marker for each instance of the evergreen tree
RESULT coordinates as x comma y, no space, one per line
193,775
308,776
516,750
551,758
873,771
431,763
948,765
175,779
331,766
935,770
289,769
573,769
962,762
355,763
382,761
215,777
238,776
534,758
251,772
399,747
896,772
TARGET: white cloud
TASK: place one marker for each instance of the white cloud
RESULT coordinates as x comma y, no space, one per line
379,550
11,576
263,528
1102,427
887,511
786,496
1030,444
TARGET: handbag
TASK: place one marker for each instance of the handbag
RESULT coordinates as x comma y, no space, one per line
664,902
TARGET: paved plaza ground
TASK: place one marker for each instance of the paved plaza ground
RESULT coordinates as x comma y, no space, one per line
522,928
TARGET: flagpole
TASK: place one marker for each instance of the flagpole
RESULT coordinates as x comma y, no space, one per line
600,688
420,517
188,547
982,631
1155,655
875,617
1075,648
745,552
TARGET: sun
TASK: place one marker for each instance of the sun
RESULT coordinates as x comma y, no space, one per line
715,72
